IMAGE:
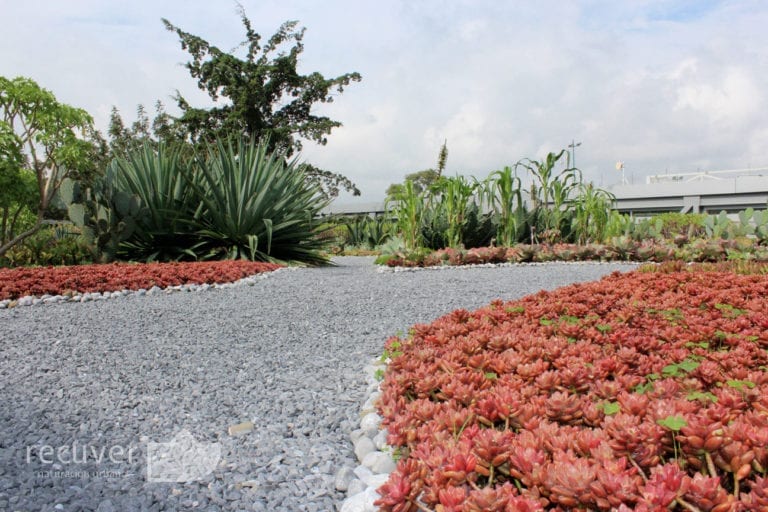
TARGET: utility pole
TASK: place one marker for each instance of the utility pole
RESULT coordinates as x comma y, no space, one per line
573,145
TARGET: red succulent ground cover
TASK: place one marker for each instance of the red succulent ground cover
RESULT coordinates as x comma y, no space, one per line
644,391
19,282
620,249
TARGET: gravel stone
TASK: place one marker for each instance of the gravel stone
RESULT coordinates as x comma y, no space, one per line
357,434
379,462
362,502
380,441
363,447
370,424
286,353
356,486
344,476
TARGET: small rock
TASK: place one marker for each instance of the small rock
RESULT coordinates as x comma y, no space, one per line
253,484
376,481
363,447
240,428
25,301
356,486
363,473
362,502
379,463
106,506
369,479
380,440
356,434
233,495
370,424
370,370
371,402
343,477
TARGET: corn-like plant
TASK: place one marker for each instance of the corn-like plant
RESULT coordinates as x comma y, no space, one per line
502,192
550,191
454,196
592,212
407,207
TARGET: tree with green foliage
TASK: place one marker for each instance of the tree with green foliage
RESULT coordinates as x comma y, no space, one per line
265,97
46,139
124,139
17,186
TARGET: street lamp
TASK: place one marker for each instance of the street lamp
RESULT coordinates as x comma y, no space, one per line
573,145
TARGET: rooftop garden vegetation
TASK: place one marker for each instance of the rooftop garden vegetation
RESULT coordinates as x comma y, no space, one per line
643,391
212,183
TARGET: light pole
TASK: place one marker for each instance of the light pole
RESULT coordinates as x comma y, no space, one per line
573,145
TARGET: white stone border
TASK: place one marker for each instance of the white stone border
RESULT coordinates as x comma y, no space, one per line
384,268
374,456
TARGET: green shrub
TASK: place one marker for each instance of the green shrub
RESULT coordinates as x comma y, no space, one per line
363,231
676,224
55,245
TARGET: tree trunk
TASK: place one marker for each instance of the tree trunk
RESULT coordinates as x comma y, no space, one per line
23,236
4,224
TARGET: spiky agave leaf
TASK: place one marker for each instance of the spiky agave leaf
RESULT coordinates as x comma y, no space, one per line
256,205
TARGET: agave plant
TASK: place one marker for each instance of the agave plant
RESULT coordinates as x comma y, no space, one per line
255,205
155,176
365,231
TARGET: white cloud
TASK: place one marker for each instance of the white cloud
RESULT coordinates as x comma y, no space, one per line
658,84
730,100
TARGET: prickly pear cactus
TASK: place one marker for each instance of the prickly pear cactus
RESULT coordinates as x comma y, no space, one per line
106,216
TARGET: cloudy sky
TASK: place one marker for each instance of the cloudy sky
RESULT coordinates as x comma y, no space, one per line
665,86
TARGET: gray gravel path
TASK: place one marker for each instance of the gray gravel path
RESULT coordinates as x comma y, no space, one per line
105,379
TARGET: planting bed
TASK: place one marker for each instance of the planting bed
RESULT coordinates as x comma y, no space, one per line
619,249
644,391
20,282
